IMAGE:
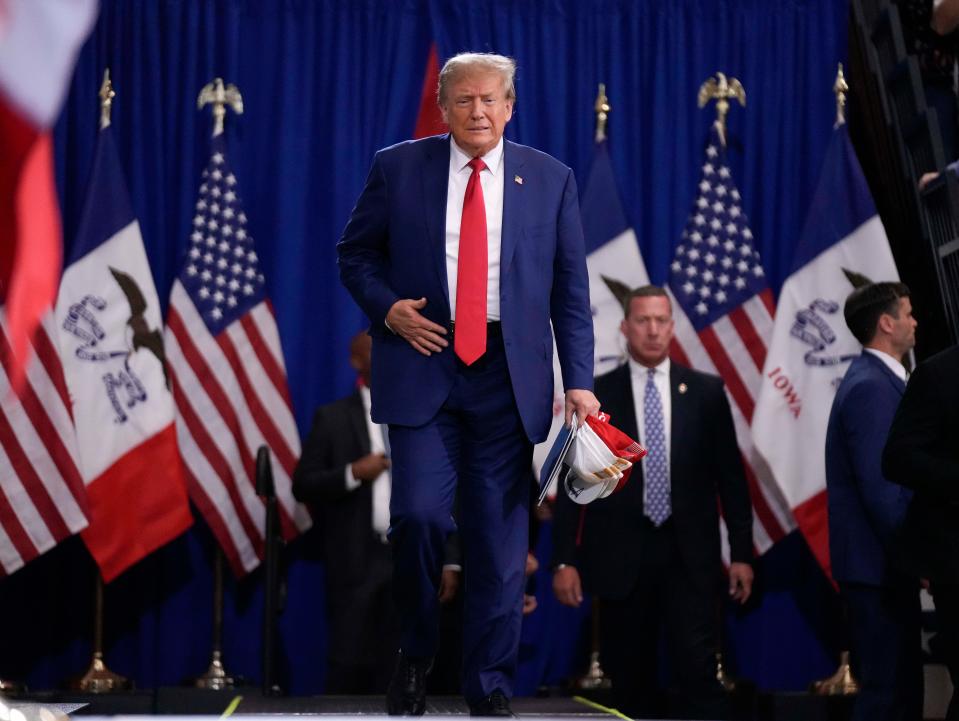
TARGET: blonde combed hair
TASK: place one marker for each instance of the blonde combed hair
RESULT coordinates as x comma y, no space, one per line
464,64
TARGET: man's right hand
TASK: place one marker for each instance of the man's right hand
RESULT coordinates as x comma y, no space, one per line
424,335
369,467
567,587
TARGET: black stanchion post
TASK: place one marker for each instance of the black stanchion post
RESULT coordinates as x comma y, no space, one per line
265,489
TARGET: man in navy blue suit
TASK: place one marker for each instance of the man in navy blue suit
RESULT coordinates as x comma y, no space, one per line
866,511
462,250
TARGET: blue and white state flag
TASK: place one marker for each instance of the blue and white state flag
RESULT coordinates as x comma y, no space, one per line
811,346
613,261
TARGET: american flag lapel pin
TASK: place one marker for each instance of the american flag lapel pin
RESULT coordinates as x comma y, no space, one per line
518,179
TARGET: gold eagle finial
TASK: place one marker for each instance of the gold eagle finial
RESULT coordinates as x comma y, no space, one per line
220,96
721,89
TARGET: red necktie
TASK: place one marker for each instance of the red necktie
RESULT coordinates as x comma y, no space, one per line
472,268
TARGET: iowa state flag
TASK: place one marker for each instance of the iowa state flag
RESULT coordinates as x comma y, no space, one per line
111,342
811,346
614,263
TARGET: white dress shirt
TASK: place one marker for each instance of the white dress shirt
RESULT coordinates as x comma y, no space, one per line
382,484
892,364
638,374
492,181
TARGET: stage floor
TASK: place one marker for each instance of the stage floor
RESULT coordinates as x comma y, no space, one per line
207,705
248,702
553,707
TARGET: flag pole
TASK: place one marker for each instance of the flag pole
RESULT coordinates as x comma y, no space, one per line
595,679
722,90
99,678
217,678
842,682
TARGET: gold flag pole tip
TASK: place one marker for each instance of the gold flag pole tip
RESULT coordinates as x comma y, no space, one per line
840,88
602,108
106,95
722,90
220,96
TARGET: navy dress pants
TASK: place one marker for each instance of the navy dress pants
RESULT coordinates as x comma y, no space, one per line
474,452
886,651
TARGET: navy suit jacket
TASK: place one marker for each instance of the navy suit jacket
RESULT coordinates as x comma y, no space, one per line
606,540
866,511
394,247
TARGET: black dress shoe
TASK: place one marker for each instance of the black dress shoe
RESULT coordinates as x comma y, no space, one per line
406,694
496,704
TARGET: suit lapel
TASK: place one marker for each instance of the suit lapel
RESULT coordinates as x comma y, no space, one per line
513,192
435,187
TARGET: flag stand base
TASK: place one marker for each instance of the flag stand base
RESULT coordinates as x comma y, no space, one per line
841,683
725,680
594,679
100,679
11,688
216,678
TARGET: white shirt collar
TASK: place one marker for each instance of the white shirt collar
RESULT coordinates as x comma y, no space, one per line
638,369
460,158
892,364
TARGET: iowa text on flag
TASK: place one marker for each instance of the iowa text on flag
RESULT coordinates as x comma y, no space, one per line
723,312
39,40
42,497
111,345
229,378
811,345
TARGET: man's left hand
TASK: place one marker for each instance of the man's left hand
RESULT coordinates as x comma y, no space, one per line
449,584
740,582
581,402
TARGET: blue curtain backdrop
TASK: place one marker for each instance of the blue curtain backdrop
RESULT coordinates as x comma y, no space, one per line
327,82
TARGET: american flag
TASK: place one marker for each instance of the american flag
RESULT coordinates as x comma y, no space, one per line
230,387
723,311
42,495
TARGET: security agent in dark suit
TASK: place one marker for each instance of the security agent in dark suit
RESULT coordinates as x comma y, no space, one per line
922,453
651,552
344,474
866,511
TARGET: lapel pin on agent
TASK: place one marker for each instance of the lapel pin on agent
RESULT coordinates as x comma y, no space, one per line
518,179
682,388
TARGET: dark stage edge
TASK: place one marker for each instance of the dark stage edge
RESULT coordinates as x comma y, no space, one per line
435,706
